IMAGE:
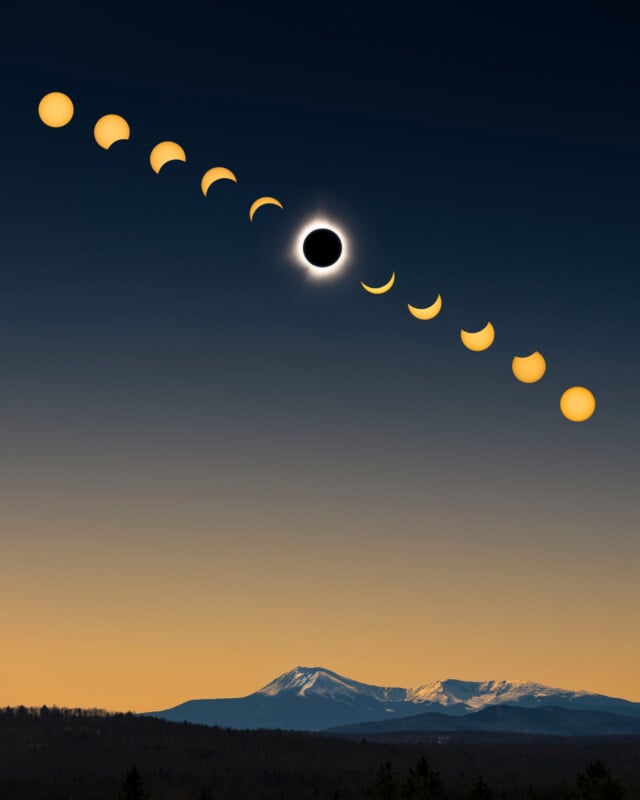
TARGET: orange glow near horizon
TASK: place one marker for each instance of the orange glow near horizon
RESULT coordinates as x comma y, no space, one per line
146,622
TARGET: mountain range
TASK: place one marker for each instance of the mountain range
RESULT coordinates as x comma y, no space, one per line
314,698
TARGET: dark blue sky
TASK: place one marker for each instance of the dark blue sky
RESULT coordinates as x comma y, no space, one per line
158,348
488,155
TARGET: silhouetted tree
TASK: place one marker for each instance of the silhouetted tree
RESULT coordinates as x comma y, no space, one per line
131,786
596,782
559,792
422,783
385,785
481,790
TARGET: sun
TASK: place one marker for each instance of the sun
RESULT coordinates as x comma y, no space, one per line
577,404
322,248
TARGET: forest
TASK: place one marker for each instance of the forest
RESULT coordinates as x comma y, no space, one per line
75,754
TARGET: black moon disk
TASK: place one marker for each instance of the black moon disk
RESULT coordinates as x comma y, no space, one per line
322,247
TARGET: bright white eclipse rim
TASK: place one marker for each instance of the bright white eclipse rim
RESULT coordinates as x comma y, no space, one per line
321,272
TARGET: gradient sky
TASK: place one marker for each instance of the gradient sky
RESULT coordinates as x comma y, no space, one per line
212,468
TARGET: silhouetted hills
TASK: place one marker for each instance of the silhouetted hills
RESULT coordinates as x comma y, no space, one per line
547,721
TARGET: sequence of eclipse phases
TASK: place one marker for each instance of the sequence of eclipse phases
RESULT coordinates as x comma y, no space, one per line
321,247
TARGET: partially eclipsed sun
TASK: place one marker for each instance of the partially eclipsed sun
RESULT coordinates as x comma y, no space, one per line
342,252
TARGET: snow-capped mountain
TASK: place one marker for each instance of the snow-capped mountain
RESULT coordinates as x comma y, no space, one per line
314,698
324,683
477,695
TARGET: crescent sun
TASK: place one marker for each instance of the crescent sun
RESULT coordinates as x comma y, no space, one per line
478,340
380,289
164,152
216,174
426,313
263,201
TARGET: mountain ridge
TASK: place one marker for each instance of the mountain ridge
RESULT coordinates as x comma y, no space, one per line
503,718
316,698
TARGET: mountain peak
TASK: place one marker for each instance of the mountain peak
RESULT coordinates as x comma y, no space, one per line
321,682
301,679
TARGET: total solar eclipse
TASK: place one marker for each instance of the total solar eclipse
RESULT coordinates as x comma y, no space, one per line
322,247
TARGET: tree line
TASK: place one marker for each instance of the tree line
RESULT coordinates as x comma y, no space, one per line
595,782
77,754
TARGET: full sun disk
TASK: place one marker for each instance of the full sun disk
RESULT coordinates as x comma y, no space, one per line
321,248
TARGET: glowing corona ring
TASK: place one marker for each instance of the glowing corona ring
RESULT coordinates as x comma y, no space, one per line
298,251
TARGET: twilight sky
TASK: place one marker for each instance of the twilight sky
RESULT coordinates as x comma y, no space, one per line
213,468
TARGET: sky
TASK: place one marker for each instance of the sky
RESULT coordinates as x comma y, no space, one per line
213,467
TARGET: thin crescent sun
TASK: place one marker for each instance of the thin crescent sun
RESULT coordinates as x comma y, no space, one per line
164,152
478,340
426,313
263,201
380,289
216,174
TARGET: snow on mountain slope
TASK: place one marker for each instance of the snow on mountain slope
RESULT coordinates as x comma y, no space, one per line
314,698
320,682
476,695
